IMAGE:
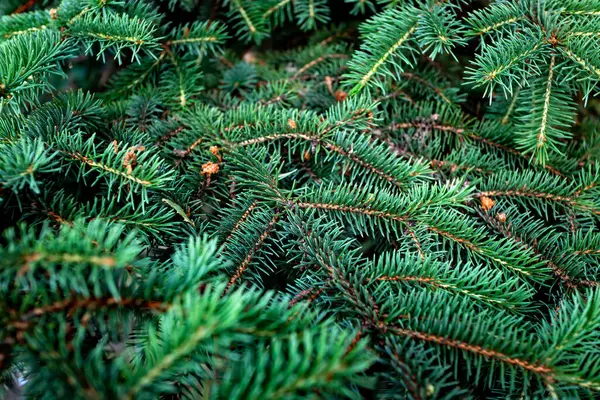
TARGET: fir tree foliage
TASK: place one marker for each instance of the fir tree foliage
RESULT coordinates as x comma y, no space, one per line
299,199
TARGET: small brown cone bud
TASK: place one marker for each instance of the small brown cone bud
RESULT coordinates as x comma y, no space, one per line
501,217
210,168
487,203
340,95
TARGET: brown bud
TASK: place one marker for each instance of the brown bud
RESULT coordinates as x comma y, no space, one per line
130,162
340,95
487,203
210,168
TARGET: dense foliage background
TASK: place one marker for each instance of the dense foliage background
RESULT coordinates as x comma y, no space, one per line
299,199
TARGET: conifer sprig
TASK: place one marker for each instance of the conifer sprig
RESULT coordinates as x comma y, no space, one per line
299,199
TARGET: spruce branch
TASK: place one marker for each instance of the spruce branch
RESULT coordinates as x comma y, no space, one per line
26,62
116,32
288,216
24,23
249,20
383,53
125,166
200,37
22,162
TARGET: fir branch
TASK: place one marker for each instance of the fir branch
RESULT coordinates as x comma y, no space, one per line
310,12
277,8
26,62
327,145
200,37
453,244
21,24
494,18
586,63
540,369
372,59
244,265
316,61
547,120
22,162
249,19
504,64
118,164
538,187
116,32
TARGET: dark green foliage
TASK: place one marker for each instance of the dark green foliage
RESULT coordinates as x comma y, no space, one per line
290,199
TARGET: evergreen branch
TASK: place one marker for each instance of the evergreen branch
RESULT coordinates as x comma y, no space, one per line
70,261
249,19
354,148
436,89
583,244
511,107
26,62
117,32
542,137
26,320
580,8
199,37
21,24
513,257
496,17
439,31
186,77
416,376
310,12
472,282
586,64
106,168
474,134
68,111
361,209
547,119
353,210
316,61
244,265
540,369
497,25
542,187
275,8
155,221
569,201
134,75
529,193
504,64
235,318
22,162
532,235
322,377
365,79
118,164
386,37
241,220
